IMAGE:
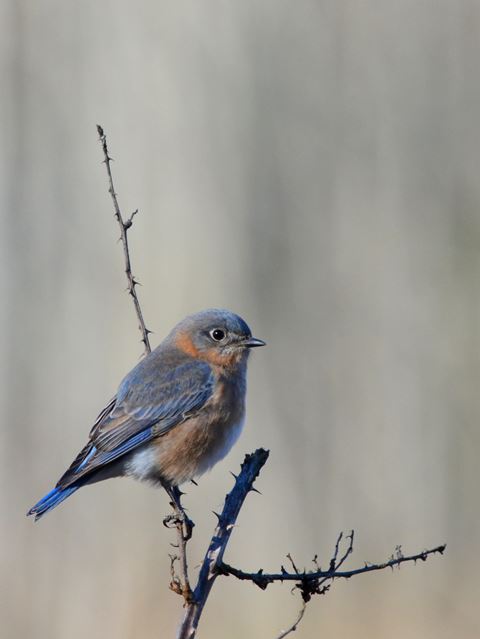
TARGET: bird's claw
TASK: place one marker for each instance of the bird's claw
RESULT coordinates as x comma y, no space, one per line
170,521
187,525
180,519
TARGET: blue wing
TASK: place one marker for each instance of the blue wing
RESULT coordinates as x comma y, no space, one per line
151,400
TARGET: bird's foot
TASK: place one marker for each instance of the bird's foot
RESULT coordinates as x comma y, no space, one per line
179,517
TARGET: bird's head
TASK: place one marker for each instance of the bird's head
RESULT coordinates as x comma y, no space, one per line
217,336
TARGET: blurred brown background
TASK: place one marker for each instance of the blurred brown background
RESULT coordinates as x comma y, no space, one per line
313,166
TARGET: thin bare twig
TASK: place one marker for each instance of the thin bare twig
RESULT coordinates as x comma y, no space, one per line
179,518
334,565
184,526
183,539
263,579
124,226
312,582
290,559
294,625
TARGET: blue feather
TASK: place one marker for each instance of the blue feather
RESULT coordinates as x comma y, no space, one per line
51,499
87,458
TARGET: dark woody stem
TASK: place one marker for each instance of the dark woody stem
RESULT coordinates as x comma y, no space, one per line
209,570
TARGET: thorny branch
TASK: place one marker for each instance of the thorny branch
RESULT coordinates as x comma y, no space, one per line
209,569
183,524
309,583
124,226
312,582
294,625
179,518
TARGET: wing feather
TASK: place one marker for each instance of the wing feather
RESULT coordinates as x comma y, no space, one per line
151,400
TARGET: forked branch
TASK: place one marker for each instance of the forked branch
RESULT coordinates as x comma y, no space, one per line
310,581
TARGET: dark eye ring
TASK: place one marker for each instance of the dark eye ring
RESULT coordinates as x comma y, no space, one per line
217,334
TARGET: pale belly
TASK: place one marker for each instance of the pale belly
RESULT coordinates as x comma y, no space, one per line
186,452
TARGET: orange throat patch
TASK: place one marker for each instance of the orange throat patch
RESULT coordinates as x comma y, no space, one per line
211,355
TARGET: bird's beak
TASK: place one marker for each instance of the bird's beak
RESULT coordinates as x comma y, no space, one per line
253,342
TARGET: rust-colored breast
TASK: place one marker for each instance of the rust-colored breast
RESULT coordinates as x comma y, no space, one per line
195,445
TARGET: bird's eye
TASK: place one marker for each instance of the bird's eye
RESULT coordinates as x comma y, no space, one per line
217,334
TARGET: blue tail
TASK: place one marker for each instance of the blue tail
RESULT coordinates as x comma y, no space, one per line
51,499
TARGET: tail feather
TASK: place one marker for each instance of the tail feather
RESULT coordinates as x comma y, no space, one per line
51,499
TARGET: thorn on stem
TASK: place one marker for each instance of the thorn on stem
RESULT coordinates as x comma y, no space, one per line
129,222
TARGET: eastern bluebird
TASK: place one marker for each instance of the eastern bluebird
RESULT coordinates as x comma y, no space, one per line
175,415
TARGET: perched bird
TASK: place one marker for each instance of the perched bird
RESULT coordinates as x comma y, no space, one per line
175,415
